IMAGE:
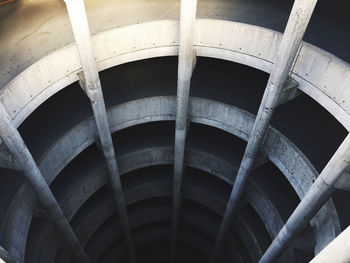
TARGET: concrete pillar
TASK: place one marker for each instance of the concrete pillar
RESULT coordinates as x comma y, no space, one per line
185,68
24,159
5,256
92,86
289,46
338,251
320,191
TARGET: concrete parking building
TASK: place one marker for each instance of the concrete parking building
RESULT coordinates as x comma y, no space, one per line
174,131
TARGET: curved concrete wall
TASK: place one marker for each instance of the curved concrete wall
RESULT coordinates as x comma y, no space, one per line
238,122
319,74
256,48
27,37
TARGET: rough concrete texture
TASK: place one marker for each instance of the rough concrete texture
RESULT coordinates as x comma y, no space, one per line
230,119
236,43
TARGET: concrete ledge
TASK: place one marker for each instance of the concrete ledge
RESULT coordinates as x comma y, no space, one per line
320,75
231,119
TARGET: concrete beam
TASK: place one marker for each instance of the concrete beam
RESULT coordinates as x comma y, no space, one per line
337,251
314,199
19,150
91,84
185,68
289,46
6,257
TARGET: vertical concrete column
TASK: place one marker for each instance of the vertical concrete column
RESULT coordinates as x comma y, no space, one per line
92,87
5,256
338,251
24,159
185,69
320,191
289,46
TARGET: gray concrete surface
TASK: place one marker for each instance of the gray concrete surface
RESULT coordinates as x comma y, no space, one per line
36,29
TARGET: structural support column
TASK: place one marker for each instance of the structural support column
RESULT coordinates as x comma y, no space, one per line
185,69
92,86
337,251
289,46
320,191
5,256
24,159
